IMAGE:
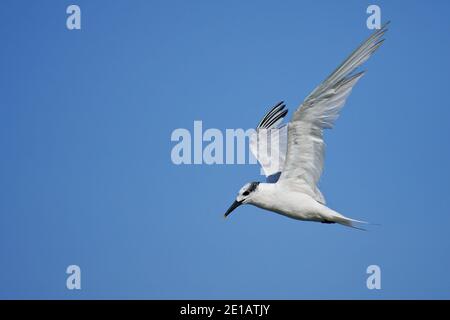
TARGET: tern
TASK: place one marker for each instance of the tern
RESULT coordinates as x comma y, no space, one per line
291,188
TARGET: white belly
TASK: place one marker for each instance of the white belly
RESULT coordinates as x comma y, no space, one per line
295,205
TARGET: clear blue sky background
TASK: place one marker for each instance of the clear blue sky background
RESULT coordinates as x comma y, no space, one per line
86,176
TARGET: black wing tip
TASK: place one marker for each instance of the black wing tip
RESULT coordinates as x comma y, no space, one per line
279,103
276,110
277,116
383,29
384,26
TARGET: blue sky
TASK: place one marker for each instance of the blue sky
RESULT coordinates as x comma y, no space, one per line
86,176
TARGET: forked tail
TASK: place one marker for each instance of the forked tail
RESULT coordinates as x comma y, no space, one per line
352,223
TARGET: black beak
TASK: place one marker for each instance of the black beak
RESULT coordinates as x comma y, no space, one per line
232,207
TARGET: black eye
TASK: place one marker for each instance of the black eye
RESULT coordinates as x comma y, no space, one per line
246,193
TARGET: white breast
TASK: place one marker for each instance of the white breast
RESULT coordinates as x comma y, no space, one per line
294,204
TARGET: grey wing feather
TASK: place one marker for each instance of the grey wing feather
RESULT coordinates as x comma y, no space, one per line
305,150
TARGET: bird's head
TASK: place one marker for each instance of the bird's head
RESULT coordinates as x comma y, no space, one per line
244,196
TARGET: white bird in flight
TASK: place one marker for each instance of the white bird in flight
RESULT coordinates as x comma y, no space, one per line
294,156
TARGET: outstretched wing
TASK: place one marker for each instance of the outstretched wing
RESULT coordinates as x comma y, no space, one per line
268,144
305,150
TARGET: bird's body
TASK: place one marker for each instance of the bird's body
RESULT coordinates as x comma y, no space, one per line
294,154
279,197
